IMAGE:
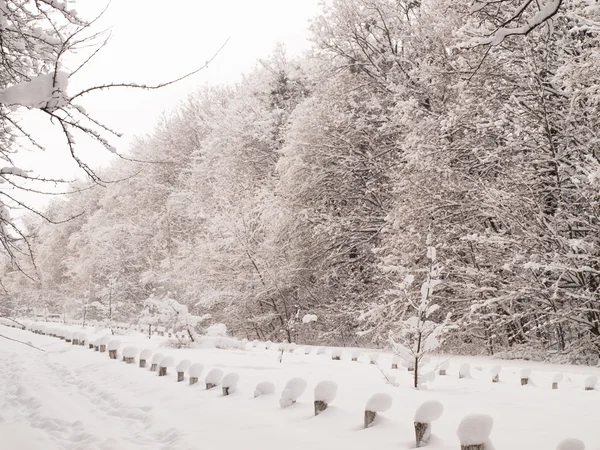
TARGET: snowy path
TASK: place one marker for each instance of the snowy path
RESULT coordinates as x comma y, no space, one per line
73,398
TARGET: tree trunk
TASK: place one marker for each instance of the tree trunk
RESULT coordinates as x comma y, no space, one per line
320,406
422,433
369,417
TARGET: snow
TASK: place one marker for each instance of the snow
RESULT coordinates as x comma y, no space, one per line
308,318
465,370
146,354
495,370
43,91
429,411
525,373
336,352
230,381
264,388
326,391
130,352
475,429
70,397
195,370
557,378
379,402
157,358
214,376
183,365
321,350
113,345
218,329
167,361
293,389
571,444
590,382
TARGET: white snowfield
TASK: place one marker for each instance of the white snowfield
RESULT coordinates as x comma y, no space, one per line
72,397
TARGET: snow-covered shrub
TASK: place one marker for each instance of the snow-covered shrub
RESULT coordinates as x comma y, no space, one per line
307,350
525,373
590,383
129,354
356,354
229,383
213,378
264,388
325,392
377,403
293,389
164,364
194,372
475,429
156,359
181,367
308,318
321,350
464,371
428,412
570,444
336,353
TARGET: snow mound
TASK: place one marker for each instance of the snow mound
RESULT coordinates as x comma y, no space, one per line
183,365
325,391
293,389
130,352
168,361
146,354
374,357
307,350
230,380
570,444
557,378
475,429
264,388
308,318
195,370
320,350
114,345
157,358
495,370
465,370
356,353
68,335
525,373
429,411
268,345
214,376
590,382
218,329
336,352
444,365
379,402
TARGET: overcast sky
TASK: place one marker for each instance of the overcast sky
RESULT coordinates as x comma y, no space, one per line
156,40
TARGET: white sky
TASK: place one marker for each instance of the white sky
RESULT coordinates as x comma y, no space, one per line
157,40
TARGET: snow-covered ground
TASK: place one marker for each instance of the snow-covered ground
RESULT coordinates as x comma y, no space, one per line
70,397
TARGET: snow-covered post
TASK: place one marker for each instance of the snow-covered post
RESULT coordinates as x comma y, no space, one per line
113,346
426,413
164,364
325,393
395,361
336,354
103,342
213,377
156,359
464,371
355,354
525,373
68,336
474,431
145,356
182,366
293,389
75,339
129,354
373,357
495,373
264,388
194,372
570,444
443,367
590,383
229,383
556,379
377,403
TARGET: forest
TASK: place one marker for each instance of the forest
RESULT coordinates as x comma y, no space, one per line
452,144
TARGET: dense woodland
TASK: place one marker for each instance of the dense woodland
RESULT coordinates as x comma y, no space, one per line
312,186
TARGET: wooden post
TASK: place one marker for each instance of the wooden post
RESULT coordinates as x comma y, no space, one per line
210,386
179,376
524,381
442,372
473,447
496,378
153,367
394,366
335,358
91,346
193,380
162,371
75,342
589,388
102,348
112,354
142,363
354,358
554,385
225,391
129,359
320,406
369,417
422,433
96,348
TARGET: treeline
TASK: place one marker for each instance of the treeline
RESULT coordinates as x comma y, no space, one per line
312,185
